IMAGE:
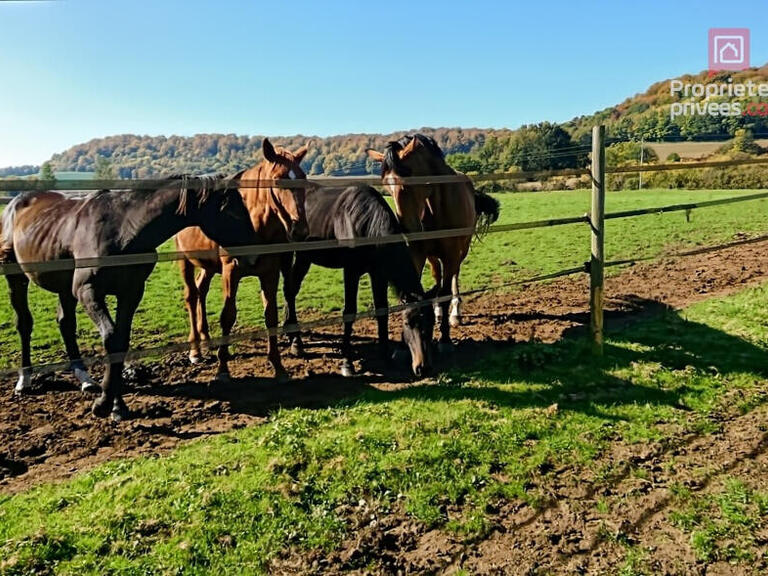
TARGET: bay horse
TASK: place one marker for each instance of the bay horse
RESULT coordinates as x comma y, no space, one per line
277,215
50,226
427,207
361,212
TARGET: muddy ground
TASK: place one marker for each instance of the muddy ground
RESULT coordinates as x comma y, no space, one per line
50,435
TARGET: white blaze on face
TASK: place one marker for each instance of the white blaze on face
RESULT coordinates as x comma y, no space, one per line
292,174
390,182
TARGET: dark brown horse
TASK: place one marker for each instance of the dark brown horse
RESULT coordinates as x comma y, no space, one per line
277,215
50,226
361,212
435,207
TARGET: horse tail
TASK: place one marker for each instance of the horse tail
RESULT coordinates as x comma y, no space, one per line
7,220
487,209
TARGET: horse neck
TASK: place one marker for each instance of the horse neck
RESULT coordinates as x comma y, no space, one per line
151,218
395,260
258,201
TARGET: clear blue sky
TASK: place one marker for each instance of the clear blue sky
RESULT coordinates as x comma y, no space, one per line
73,70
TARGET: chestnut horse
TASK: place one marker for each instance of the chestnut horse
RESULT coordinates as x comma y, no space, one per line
49,226
277,215
427,207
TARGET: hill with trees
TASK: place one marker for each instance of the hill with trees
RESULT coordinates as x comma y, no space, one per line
134,156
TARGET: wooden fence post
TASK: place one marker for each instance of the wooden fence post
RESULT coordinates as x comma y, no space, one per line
597,224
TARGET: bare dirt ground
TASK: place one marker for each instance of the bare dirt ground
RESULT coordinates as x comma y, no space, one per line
50,435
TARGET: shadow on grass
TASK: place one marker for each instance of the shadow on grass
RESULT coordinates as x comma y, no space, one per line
564,372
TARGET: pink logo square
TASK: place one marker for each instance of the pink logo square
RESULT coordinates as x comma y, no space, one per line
728,49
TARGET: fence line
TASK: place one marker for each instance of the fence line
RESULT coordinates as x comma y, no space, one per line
686,207
22,185
341,318
11,268
693,252
284,247
283,330
151,258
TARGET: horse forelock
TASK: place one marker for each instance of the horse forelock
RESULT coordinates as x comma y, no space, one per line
393,163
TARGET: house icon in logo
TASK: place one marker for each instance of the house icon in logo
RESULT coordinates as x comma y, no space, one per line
728,49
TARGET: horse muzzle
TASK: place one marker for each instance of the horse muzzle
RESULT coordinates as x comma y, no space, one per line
299,231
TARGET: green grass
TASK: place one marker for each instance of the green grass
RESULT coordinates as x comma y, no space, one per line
445,454
498,258
722,524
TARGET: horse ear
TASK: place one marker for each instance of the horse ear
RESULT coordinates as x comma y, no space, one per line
298,156
412,145
374,155
269,150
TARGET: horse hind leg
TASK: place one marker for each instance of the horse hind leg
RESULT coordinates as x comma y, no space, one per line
191,297
67,320
455,318
230,280
18,287
437,275
351,286
203,284
269,282
293,276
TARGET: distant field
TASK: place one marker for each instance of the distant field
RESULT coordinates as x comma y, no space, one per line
496,259
691,150
74,175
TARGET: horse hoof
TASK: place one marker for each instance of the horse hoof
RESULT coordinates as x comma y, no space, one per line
297,349
282,377
223,378
194,359
87,384
347,370
101,407
445,347
90,388
24,383
119,411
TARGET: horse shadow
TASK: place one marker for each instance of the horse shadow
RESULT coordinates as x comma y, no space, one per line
563,372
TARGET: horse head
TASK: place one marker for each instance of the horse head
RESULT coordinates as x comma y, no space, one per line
410,156
286,203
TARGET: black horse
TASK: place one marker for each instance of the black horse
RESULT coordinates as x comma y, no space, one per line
48,226
361,212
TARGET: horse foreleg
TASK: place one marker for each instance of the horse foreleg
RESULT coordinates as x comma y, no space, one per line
381,303
127,303
67,320
351,285
269,282
190,301
97,311
292,281
18,287
230,280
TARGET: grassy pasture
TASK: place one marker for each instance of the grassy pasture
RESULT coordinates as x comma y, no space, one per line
447,454
498,258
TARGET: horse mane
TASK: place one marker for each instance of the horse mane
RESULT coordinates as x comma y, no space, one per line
206,184
370,217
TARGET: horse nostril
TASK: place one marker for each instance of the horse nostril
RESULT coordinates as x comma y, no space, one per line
418,370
